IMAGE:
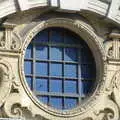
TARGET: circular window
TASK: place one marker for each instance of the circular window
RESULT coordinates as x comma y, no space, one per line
59,68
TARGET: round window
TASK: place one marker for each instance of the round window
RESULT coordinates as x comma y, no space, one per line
59,68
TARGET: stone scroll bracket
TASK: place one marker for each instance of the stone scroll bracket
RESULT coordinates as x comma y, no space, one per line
6,78
113,47
10,41
8,35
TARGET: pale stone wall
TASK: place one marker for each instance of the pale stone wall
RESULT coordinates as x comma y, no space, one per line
94,20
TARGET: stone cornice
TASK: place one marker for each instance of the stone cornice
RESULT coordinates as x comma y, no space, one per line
115,35
106,8
106,1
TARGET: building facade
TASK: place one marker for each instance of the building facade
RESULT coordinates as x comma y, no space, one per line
60,59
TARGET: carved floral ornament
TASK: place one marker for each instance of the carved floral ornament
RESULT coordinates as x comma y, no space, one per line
9,39
99,106
113,46
6,79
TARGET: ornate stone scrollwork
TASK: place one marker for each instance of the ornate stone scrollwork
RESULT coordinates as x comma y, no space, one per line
109,111
87,33
110,52
113,46
9,100
111,104
2,39
116,88
102,105
6,77
15,42
12,107
9,39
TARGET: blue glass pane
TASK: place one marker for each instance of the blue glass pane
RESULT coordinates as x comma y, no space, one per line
41,69
55,85
56,102
87,71
86,87
70,103
70,86
70,70
54,60
28,53
55,53
56,69
43,99
56,36
28,67
71,54
41,85
29,81
41,52
86,56
41,36
69,39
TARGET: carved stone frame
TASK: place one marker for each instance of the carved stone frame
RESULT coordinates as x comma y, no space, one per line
6,79
90,108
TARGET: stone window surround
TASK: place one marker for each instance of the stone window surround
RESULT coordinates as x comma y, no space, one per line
87,33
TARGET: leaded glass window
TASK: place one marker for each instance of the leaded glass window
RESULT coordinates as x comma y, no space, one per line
59,68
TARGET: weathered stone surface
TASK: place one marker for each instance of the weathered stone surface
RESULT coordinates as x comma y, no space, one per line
90,21
107,8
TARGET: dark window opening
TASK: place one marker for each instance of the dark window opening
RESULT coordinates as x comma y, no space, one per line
59,68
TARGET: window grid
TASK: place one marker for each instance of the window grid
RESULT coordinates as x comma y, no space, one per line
78,95
34,69
63,101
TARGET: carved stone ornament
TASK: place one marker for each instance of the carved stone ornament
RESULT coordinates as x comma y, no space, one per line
116,87
15,42
109,49
6,78
9,39
112,47
18,100
2,39
99,106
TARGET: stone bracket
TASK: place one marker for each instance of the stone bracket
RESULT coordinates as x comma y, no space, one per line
113,47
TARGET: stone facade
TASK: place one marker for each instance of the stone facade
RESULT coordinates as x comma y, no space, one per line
96,21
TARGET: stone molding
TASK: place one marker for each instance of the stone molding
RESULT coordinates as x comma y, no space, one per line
27,4
114,11
9,39
105,8
7,7
113,47
81,112
6,78
19,102
97,7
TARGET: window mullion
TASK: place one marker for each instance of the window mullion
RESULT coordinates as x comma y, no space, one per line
63,80
79,74
34,68
49,66
59,61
